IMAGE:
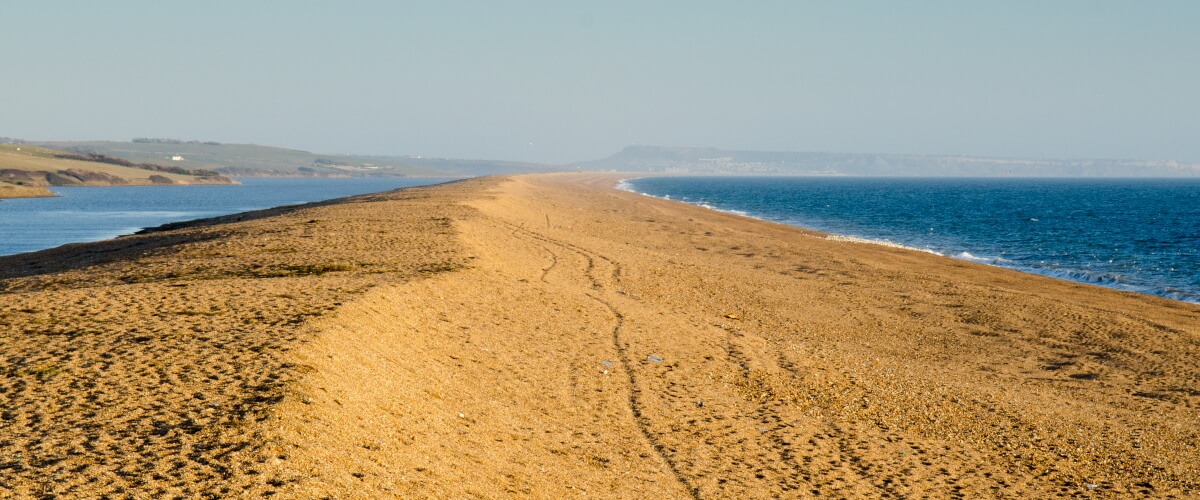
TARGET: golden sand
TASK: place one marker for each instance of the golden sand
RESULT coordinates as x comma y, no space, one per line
549,336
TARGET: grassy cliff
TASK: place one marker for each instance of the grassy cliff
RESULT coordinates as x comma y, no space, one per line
27,171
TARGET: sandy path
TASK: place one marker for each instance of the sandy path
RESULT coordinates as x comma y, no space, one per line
572,340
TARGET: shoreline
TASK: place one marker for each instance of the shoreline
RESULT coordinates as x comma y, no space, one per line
546,335
203,206
966,256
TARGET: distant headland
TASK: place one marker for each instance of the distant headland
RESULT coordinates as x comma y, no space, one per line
27,171
698,160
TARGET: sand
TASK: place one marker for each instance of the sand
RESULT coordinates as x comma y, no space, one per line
548,336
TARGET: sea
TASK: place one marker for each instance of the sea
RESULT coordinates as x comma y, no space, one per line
80,214
1139,235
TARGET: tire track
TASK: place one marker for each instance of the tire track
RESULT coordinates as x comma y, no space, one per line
553,263
769,419
635,406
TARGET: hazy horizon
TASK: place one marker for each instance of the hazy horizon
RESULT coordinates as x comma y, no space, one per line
552,83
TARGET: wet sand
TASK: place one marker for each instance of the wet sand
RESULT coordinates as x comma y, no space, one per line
549,336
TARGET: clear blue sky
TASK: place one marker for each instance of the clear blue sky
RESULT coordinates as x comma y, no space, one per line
560,81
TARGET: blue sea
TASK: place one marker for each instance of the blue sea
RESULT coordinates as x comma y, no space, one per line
1140,235
81,214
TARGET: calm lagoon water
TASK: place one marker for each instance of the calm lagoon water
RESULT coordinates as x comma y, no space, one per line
1138,235
81,214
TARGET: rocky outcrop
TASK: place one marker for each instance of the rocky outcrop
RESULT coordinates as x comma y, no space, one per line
23,177
93,178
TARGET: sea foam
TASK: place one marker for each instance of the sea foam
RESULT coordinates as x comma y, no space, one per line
882,243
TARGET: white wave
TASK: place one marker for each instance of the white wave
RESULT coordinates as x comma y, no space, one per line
701,204
882,243
983,260
624,185
627,185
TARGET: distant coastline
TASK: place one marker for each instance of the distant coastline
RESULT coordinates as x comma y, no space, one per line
253,160
29,171
694,161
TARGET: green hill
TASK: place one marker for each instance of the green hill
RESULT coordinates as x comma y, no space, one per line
251,160
27,170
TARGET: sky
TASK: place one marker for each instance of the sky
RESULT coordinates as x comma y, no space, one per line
560,81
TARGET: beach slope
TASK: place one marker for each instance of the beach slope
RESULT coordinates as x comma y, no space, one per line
550,336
